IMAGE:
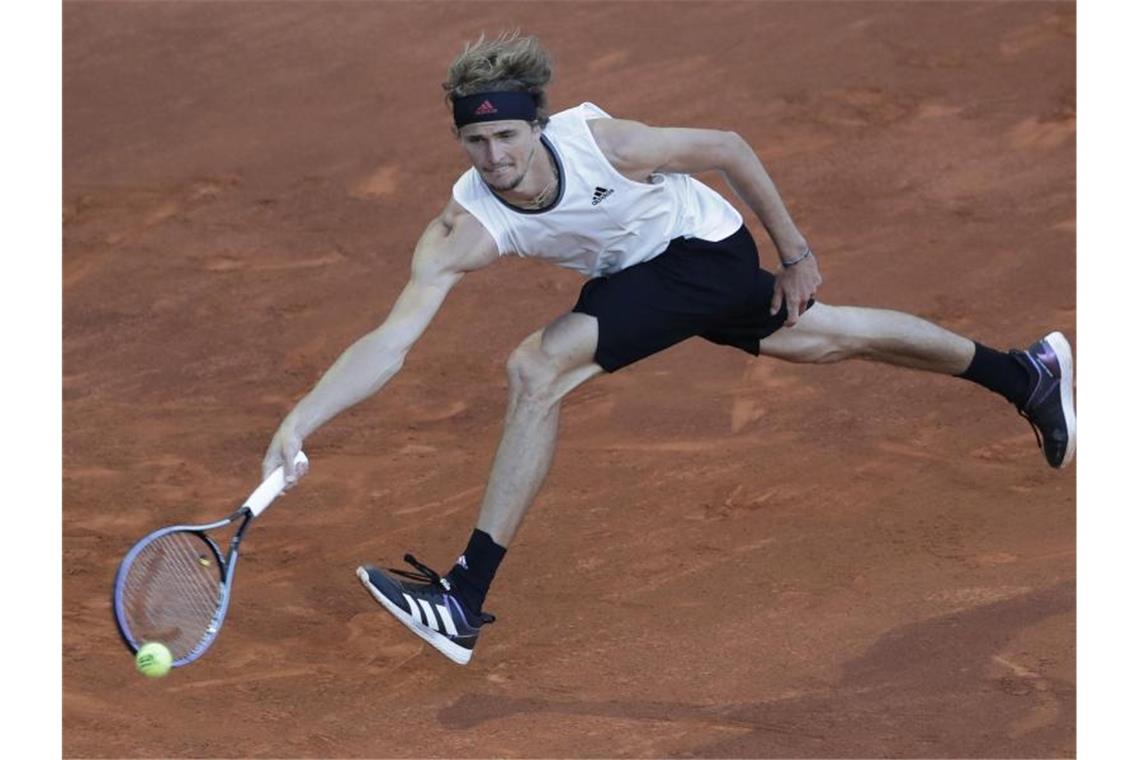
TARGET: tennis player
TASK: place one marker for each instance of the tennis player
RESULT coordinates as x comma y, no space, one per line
666,258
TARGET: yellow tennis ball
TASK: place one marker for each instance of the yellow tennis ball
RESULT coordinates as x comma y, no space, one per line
153,660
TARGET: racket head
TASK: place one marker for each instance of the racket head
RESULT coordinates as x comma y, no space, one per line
173,587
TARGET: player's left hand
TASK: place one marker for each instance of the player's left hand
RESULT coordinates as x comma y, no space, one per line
795,286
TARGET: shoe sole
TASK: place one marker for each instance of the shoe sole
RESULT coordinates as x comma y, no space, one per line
446,646
1064,354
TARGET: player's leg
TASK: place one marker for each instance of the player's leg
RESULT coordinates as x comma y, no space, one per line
1038,381
833,333
540,373
619,319
447,611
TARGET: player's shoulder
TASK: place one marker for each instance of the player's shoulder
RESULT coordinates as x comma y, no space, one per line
456,219
467,184
466,236
620,140
585,121
454,213
583,112
610,133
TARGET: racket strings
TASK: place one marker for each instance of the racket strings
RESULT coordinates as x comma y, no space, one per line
173,592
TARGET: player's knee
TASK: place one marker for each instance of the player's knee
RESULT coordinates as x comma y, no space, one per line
824,335
803,348
831,356
532,375
835,348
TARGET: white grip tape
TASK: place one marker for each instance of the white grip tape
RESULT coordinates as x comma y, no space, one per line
271,488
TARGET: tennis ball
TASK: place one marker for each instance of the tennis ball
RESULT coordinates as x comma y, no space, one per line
153,660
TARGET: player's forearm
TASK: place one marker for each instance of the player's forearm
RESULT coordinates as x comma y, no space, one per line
749,180
363,369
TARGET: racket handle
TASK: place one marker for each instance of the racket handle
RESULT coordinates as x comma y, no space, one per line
271,488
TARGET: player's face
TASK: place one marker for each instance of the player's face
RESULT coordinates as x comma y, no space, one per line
501,150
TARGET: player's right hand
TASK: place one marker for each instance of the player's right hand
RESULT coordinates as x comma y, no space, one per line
282,452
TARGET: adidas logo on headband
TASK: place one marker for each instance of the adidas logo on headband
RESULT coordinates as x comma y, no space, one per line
494,106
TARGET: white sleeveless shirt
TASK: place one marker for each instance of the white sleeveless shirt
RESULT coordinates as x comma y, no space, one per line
601,222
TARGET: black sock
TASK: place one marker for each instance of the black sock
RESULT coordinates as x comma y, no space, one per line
475,569
1000,372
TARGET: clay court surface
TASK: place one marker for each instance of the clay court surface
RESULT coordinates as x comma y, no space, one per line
732,557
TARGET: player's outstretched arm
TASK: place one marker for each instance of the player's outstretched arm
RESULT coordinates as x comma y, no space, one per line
638,150
453,244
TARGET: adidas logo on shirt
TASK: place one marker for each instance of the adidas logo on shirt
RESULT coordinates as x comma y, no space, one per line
600,194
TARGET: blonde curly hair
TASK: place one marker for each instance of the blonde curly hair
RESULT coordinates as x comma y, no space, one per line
511,62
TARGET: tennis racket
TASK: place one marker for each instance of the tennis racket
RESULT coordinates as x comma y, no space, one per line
174,586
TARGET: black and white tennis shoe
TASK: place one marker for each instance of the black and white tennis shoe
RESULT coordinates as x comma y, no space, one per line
424,602
1049,406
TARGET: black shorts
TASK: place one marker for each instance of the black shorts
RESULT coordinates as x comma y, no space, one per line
715,290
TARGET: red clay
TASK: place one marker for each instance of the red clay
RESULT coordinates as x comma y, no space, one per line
732,557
